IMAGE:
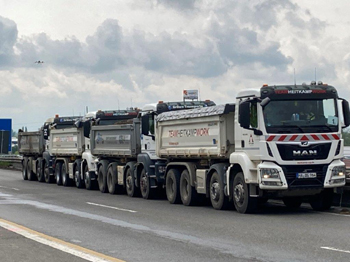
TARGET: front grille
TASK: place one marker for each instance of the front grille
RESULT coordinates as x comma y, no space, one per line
296,152
293,182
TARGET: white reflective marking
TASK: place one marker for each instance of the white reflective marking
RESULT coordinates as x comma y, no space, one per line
116,208
16,189
50,243
336,249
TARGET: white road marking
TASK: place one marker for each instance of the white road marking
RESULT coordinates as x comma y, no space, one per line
335,214
66,247
16,189
336,249
116,208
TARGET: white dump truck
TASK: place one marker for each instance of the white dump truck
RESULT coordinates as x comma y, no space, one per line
31,146
126,151
275,142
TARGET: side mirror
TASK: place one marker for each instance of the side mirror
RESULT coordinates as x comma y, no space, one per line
46,132
87,128
265,101
244,115
346,113
78,124
145,124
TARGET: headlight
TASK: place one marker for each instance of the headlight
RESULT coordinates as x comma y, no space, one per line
269,173
338,171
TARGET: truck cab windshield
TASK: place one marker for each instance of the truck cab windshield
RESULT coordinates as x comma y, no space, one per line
301,116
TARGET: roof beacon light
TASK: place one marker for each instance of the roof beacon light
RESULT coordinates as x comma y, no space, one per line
319,83
160,102
313,83
56,116
265,85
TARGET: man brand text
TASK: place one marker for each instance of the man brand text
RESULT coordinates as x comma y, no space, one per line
189,132
304,152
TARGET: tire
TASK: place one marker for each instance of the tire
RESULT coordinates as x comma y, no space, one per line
188,193
216,191
102,179
293,202
40,172
79,183
30,173
172,186
66,181
130,186
58,174
145,186
24,169
89,183
48,178
111,181
243,202
322,201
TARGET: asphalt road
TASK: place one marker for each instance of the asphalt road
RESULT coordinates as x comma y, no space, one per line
133,229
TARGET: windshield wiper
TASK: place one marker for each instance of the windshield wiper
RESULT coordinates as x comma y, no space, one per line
299,127
328,127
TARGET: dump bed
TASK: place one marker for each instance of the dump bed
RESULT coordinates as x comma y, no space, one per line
67,142
120,140
31,143
198,133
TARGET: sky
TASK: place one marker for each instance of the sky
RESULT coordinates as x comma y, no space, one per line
127,53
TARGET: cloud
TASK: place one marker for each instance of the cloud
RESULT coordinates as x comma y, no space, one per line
8,37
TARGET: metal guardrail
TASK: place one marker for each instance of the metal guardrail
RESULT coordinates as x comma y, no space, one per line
11,162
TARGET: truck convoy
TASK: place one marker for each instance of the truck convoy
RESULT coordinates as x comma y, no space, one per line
279,142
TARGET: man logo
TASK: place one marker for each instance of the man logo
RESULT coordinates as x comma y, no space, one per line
304,152
304,143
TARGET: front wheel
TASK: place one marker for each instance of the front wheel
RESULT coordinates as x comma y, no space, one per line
89,183
47,175
131,189
217,196
79,183
145,186
243,202
322,201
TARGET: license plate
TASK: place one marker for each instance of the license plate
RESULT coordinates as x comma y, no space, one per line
306,175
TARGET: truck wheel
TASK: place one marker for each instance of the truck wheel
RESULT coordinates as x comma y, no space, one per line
111,181
131,189
79,183
102,180
145,186
40,171
24,168
89,184
243,202
65,176
187,192
58,174
322,201
30,173
293,202
217,196
172,186
48,177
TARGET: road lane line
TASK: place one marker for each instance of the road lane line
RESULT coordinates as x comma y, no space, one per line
116,208
56,243
336,249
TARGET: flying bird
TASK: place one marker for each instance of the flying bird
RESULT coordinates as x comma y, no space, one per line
39,62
